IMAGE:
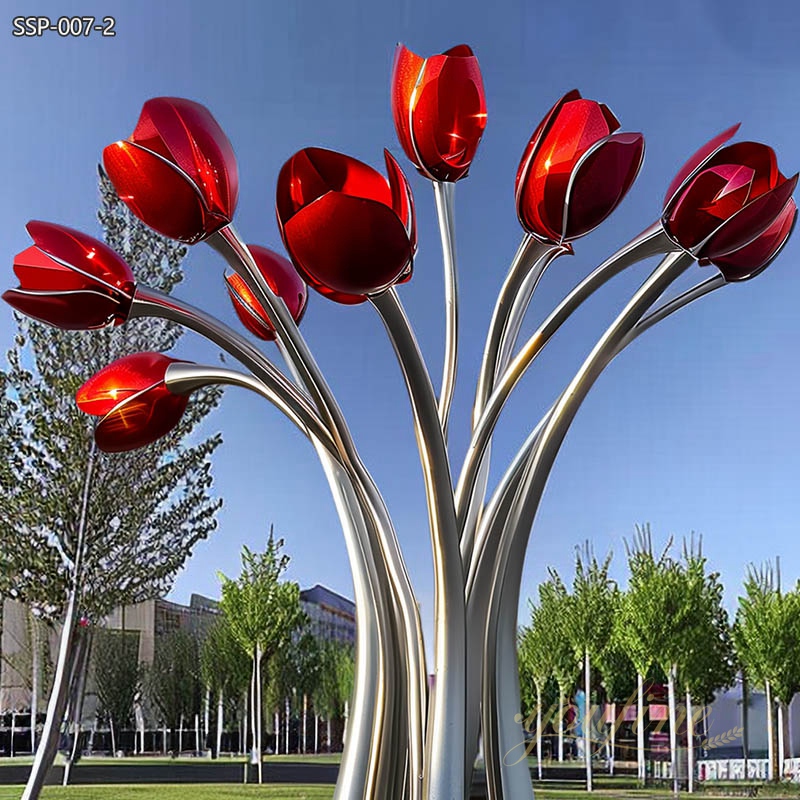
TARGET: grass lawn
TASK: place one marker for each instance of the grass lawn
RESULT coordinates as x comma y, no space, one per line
298,792
207,791
320,758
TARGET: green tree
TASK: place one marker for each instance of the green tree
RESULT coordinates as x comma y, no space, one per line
555,605
117,675
263,611
588,627
80,537
308,660
617,674
535,668
766,634
640,620
705,661
335,685
225,670
173,682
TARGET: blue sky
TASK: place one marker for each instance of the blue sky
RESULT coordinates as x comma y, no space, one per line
694,428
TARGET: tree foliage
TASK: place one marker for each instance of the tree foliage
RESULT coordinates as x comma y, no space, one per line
117,674
224,665
147,508
335,684
173,679
262,610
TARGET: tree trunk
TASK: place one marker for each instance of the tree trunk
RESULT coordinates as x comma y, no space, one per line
286,712
180,736
770,732
329,735
253,705
34,680
75,705
305,721
245,721
207,720
539,732
690,740
277,724
781,741
745,722
196,733
673,733
220,722
560,725
613,738
13,730
113,737
259,715
316,733
640,728
346,720
587,719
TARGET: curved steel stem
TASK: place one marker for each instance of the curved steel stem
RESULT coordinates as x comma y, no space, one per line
359,767
444,193
445,743
373,737
530,262
503,686
370,738
514,471
650,242
507,572
229,244
277,389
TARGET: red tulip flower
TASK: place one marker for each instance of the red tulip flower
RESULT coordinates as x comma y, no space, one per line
177,172
349,232
439,110
134,401
575,171
284,281
725,197
70,280
755,257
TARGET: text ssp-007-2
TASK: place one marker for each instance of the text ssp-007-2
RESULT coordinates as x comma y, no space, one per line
36,26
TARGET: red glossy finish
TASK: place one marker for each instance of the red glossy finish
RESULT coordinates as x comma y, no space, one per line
70,280
754,258
575,170
349,232
284,281
135,403
733,197
177,172
439,109
707,150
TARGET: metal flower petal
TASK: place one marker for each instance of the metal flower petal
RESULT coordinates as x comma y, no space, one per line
134,401
348,231
284,281
697,160
575,170
439,110
177,172
734,196
70,280
754,258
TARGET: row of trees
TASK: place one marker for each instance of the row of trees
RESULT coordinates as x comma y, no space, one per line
258,660
668,625
208,680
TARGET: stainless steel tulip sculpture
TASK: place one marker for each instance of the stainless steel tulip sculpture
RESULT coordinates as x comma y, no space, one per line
408,737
